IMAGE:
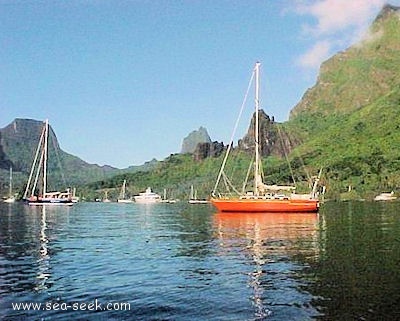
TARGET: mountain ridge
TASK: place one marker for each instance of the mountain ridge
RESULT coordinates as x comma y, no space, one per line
349,119
344,74
18,143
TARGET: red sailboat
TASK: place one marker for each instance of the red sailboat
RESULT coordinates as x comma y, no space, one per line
263,197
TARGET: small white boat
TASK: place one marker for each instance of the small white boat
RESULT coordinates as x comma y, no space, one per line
122,195
75,199
11,197
193,197
385,197
105,199
147,197
167,200
9,200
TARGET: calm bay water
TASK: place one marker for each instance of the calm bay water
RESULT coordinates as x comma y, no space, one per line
186,262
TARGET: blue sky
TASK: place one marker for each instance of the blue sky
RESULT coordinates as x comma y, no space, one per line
123,82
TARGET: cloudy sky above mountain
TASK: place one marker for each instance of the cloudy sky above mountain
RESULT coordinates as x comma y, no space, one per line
336,24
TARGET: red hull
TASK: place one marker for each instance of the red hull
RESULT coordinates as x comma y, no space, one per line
266,205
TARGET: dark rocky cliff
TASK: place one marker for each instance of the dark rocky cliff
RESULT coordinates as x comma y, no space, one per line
204,150
272,140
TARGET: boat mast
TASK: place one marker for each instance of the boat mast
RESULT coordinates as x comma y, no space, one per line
46,136
123,189
256,132
10,193
28,185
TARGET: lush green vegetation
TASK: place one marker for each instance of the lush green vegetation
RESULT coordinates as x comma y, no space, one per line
178,172
175,174
348,124
362,151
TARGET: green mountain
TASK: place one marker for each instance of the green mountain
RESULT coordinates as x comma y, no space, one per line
350,119
359,76
348,124
18,144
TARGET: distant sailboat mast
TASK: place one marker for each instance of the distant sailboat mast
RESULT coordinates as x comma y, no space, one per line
28,185
123,189
10,187
11,197
46,134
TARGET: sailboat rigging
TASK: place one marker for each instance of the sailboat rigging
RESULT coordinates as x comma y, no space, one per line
35,193
122,195
263,197
11,197
193,197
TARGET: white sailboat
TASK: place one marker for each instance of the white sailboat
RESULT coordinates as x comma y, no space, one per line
35,193
75,199
167,200
122,195
193,197
106,199
11,197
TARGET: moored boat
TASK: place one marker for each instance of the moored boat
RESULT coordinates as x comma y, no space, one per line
262,197
147,197
51,198
11,197
122,195
106,199
193,197
167,200
75,199
35,193
385,197
261,204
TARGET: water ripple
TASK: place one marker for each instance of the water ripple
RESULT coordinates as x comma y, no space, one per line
179,262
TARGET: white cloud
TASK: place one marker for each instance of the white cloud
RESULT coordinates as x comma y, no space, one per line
313,57
338,23
337,15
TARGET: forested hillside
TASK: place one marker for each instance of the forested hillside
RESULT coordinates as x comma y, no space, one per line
351,117
348,124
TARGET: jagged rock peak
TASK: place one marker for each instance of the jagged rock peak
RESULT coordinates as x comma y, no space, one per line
205,150
190,142
267,133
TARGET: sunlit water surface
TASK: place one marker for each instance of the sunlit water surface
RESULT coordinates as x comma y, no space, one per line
187,262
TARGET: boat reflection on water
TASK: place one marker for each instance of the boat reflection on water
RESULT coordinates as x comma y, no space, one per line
278,248
40,231
44,257
271,232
